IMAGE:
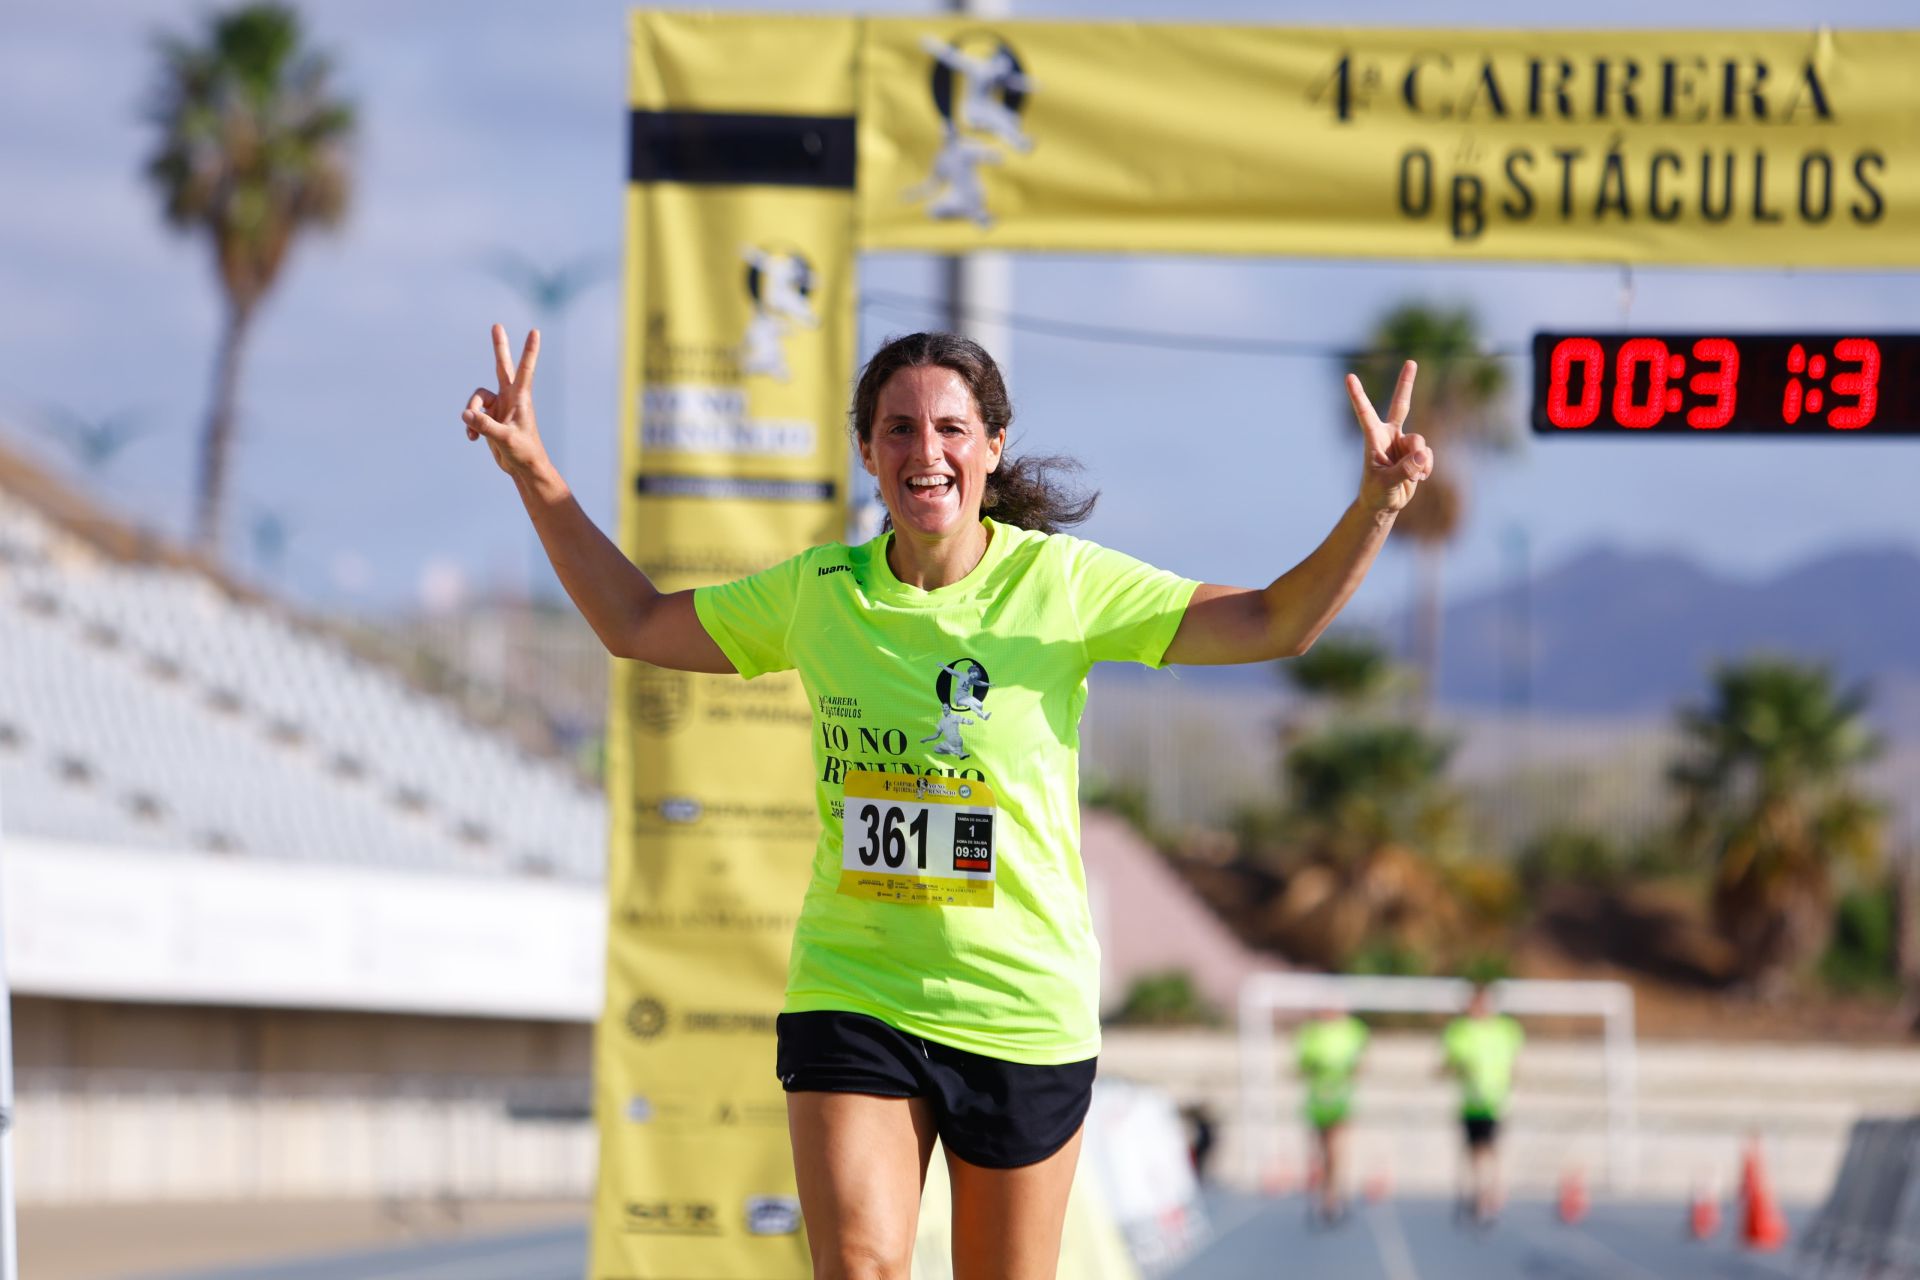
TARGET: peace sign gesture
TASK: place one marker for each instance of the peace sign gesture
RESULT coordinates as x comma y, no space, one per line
505,416
1396,463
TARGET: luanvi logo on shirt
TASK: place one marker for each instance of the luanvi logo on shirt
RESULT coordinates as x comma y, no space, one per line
824,570
962,685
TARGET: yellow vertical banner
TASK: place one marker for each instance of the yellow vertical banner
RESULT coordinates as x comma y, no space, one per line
739,324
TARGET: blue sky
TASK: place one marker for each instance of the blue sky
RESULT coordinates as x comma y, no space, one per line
488,125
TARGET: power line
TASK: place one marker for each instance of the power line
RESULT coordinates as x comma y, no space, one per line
1116,335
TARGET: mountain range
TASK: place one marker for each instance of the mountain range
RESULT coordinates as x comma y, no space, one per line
1613,632
1622,632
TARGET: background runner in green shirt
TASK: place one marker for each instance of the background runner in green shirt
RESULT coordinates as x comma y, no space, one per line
942,979
1481,1048
1327,1051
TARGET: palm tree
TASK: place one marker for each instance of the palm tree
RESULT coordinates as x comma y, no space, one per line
1455,405
252,150
551,292
95,442
1767,789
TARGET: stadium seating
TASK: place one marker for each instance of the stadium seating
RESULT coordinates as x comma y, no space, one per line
146,706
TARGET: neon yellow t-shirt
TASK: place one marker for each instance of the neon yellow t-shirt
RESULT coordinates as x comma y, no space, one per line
1481,1052
1328,1052
947,724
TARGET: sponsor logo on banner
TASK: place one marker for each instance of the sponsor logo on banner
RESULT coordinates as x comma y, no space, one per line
727,1022
772,1215
731,1112
658,699
682,810
780,284
733,488
719,918
708,418
708,563
980,89
733,816
774,699
676,1111
646,1018
672,1217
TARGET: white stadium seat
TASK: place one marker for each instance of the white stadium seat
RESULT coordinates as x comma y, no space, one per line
142,706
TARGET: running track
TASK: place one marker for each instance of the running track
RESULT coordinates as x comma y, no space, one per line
1252,1238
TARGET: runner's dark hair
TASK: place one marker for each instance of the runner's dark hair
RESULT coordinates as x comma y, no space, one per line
1029,492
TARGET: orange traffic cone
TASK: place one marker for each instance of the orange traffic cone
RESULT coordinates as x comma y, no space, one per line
1762,1225
1574,1202
1703,1215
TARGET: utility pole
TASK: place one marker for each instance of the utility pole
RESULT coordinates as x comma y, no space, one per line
979,286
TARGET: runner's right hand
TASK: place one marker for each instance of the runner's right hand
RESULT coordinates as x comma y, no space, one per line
504,417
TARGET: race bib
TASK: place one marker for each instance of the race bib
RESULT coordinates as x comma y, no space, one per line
917,840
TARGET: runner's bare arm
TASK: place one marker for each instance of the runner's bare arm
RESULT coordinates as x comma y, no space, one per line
1238,624
632,617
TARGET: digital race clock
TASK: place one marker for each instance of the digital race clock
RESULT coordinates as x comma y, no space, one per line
1694,384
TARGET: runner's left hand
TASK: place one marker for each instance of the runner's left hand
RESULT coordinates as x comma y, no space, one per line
1396,462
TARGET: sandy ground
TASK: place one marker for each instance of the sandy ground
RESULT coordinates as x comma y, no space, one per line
120,1241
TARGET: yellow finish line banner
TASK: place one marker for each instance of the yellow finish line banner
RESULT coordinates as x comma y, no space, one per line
1731,148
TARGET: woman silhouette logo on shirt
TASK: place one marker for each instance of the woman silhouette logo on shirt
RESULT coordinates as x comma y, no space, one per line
961,686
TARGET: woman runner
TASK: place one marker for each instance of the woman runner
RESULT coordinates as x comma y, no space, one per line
944,973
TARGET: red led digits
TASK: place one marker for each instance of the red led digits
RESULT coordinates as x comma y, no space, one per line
1790,403
1865,385
1567,353
1721,383
1795,384
1653,353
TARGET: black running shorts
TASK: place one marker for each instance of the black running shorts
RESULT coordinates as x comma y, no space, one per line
1482,1130
999,1115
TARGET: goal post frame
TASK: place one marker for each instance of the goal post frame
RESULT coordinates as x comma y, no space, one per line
1262,995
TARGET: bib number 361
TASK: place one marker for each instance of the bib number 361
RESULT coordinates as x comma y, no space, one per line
888,835
918,840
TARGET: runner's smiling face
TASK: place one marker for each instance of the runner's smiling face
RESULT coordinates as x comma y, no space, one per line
930,451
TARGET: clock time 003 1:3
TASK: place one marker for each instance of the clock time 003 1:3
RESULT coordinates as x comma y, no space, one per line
1696,384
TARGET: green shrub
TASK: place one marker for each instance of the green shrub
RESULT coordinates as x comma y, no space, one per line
1167,998
1860,956
1571,855
1486,967
1385,958
1125,800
